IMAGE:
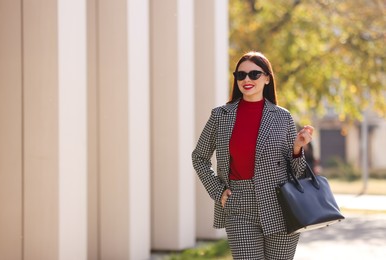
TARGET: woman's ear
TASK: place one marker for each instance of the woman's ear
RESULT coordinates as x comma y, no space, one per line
267,80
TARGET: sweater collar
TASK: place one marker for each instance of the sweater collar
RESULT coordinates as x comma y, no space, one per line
230,107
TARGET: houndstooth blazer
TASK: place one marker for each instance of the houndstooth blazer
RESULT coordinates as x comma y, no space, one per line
274,148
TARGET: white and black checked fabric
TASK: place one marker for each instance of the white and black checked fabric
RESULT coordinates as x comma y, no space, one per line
273,148
243,227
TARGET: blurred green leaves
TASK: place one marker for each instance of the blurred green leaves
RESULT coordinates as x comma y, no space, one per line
325,53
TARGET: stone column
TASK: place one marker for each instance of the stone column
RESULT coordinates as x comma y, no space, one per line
172,92
40,130
11,121
54,130
211,89
138,71
119,116
72,127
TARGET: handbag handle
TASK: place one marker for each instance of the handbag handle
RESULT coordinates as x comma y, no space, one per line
298,186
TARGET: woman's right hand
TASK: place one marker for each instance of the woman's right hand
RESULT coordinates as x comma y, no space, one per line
225,196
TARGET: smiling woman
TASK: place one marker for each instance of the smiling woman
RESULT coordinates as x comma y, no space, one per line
254,77
253,139
250,81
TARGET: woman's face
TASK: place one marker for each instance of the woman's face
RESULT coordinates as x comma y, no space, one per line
252,90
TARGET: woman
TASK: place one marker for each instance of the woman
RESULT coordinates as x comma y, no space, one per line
253,139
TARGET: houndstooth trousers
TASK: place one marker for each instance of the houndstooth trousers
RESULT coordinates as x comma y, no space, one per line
245,235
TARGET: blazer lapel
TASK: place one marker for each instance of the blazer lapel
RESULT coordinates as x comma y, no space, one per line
226,124
265,126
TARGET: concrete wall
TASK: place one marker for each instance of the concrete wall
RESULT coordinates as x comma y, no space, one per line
101,103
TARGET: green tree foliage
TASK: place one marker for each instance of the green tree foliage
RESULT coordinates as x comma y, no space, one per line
325,53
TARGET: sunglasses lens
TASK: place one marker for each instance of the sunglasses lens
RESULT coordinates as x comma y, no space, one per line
240,75
254,74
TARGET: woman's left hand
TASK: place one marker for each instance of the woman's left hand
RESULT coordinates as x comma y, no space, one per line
303,137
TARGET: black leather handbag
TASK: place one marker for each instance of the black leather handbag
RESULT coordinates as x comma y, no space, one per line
307,203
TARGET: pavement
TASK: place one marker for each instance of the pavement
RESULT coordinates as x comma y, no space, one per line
366,203
361,236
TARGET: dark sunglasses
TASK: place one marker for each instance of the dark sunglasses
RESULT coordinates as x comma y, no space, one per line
253,74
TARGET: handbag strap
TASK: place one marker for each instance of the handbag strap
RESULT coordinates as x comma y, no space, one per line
295,180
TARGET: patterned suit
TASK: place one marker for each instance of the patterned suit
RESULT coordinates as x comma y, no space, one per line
274,148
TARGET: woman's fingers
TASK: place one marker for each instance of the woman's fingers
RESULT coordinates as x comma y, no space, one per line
304,135
225,196
309,129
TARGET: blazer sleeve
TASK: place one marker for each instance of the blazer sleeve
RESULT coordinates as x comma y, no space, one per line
201,158
297,163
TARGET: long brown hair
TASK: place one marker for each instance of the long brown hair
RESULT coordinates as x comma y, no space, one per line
260,60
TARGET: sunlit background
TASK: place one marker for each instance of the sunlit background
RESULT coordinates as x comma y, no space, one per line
102,101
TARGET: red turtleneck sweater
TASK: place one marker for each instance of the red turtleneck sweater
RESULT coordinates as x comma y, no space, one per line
242,145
